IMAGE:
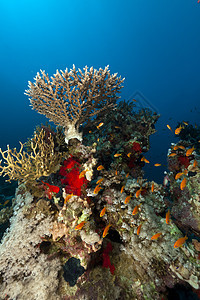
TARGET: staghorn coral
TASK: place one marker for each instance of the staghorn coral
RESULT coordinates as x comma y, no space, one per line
28,167
71,97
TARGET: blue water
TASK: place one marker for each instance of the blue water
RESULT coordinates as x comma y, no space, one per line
153,44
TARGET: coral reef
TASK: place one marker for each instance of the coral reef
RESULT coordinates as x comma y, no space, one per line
85,222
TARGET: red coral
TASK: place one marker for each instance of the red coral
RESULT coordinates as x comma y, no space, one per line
136,147
71,179
106,258
184,160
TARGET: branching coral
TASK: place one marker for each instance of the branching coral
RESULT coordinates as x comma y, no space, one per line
28,167
70,97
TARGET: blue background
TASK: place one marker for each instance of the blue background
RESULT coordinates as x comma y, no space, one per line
154,44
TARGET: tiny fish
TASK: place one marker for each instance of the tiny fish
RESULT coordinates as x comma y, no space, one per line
169,127
97,189
122,189
195,163
80,225
98,140
117,154
175,147
152,187
103,211
116,172
145,160
117,127
127,199
178,175
105,232
180,242
82,174
137,194
157,165
183,183
100,124
129,154
167,216
138,229
67,198
156,236
99,181
6,202
189,151
135,210
185,123
127,175
90,131
172,154
178,130
181,147
99,168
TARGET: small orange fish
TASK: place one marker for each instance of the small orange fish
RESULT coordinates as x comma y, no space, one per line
98,140
116,172
189,151
180,242
103,211
117,154
138,229
90,131
178,175
175,147
129,154
122,189
169,127
105,232
6,202
127,175
178,130
181,147
99,181
67,198
99,168
127,199
152,187
185,123
135,210
100,124
157,165
172,154
183,183
167,216
137,194
156,236
80,225
97,189
145,160
195,163
82,174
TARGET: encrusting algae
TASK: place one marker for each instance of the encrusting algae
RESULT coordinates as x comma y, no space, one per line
83,212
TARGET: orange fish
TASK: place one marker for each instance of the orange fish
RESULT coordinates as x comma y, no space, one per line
100,124
137,194
105,232
99,168
127,199
127,175
135,210
67,198
82,174
129,154
138,229
183,183
175,147
116,172
172,154
90,131
180,242
117,154
181,147
97,189
80,225
6,202
152,187
100,180
167,216
103,211
185,123
157,165
189,151
178,175
169,127
98,140
195,163
156,236
178,130
117,127
145,160
122,189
